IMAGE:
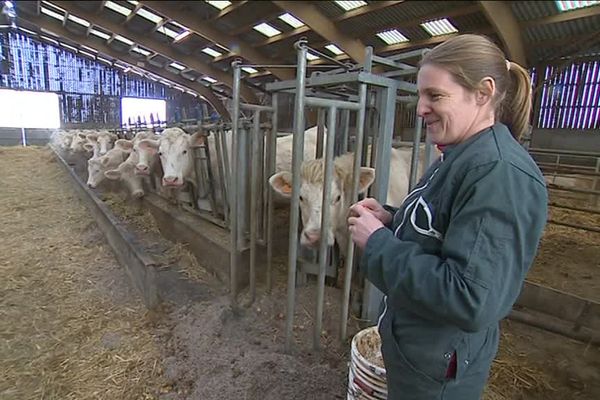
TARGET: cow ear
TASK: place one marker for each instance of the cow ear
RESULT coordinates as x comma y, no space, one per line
367,176
126,167
197,139
282,183
124,144
113,174
88,146
149,145
104,161
92,137
82,135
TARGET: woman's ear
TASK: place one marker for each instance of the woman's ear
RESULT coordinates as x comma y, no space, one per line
486,91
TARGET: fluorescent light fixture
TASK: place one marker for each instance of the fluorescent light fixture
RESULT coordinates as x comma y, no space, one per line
124,40
168,32
118,8
350,5
392,36
574,5
182,36
192,93
291,20
209,79
85,53
219,4
78,20
178,66
49,39
69,47
150,16
27,31
439,27
250,70
104,60
123,67
143,52
211,52
89,48
311,57
100,34
182,90
334,49
134,2
266,29
51,13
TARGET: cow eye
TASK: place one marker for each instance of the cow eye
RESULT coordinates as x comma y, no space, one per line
185,152
160,153
338,198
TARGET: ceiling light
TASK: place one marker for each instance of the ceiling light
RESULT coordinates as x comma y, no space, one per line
118,8
168,32
104,60
211,52
124,40
392,36
143,52
334,49
350,5
311,57
78,20
574,5
209,79
85,53
439,27
266,29
51,13
100,34
291,20
27,31
89,48
177,66
219,4
150,16
250,70
182,36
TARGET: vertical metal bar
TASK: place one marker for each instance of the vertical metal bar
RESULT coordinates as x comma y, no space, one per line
23,137
414,164
320,132
226,172
256,162
325,224
372,295
297,154
345,131
243,178
221,182
360,125
271,151
233,183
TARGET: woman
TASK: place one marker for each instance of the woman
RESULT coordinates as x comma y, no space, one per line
452,259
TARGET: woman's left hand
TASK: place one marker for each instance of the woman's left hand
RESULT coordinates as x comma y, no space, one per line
361,224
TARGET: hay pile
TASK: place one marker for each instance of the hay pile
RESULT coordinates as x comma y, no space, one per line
70,327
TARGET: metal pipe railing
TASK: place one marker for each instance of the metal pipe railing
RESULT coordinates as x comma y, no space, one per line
256,160
297,155
233,183
271,164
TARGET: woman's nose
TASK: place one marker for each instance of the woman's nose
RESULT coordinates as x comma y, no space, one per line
422,107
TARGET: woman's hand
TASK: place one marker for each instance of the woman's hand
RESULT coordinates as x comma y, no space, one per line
376,209
364,221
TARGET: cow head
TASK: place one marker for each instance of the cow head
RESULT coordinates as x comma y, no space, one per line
126,173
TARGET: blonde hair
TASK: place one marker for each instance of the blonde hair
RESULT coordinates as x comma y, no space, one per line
470,59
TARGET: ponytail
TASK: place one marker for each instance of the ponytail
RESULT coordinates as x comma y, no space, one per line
516,107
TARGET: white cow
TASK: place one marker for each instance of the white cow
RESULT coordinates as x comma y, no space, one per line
100,143
78,143
111,160
311,193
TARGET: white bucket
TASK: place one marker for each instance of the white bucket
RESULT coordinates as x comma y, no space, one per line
366,375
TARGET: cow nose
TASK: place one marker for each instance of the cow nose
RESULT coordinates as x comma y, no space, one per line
312,237
91,185
141,168
170,179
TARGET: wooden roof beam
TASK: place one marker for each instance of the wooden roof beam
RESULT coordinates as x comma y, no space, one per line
243,49
313,18
232,7
500,15
157,47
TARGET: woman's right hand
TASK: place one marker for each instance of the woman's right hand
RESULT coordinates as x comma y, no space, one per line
376,209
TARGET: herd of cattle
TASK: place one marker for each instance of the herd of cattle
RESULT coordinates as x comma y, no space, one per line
169,156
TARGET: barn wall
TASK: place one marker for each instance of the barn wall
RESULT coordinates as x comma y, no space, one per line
90,91
566,139
12,136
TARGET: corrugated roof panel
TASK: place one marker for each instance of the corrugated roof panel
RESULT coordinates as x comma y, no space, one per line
576,27
528,10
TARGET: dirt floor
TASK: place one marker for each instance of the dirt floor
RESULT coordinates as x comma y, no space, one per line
87,336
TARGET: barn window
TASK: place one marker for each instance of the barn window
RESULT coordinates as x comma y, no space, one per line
17,109
135,110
